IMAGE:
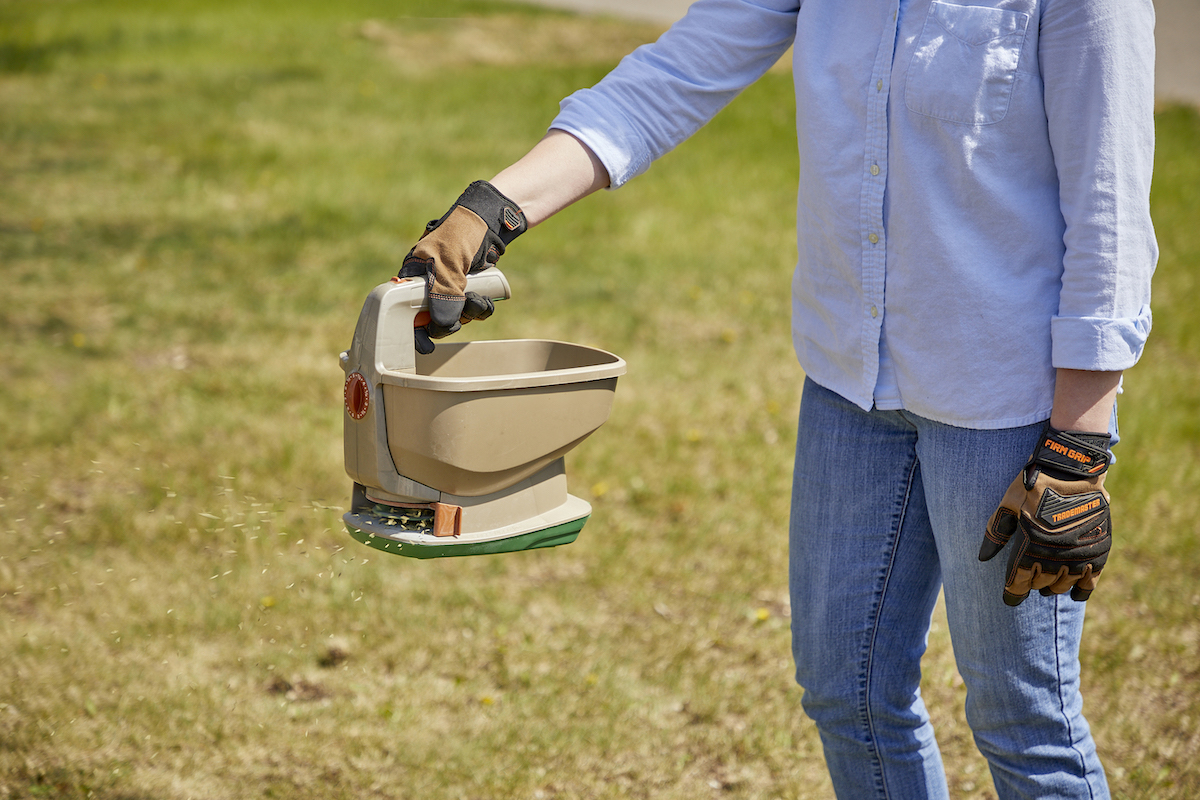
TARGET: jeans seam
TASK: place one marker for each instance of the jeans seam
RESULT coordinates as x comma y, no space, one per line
1062,703
870,654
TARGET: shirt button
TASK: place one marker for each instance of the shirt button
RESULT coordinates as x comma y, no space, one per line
874,312
874,169
873,238
879,85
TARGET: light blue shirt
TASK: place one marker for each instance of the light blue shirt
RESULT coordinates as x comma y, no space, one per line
973,204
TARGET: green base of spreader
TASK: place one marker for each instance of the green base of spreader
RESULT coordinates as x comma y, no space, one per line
547,537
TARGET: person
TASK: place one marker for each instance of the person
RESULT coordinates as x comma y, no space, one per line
975,254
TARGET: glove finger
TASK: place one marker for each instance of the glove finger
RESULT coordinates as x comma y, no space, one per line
1021,573
1014,599
1004,521
1064,584
439,332
444,315
415,267
1085,585
1019,584
1057,582
1000,529
423,342
476,307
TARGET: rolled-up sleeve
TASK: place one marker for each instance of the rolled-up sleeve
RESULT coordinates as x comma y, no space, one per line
662,93
1097,64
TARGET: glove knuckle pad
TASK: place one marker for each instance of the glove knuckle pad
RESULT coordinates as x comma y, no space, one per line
1056,510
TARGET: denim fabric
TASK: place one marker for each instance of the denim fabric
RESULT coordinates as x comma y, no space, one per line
887,509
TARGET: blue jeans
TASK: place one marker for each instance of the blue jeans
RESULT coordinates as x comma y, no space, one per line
887,508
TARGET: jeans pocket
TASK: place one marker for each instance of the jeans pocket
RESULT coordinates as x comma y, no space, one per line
965,63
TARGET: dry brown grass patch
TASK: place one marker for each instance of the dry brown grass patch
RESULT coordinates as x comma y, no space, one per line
420,46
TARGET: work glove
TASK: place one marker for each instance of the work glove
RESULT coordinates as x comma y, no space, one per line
470,237
1057,510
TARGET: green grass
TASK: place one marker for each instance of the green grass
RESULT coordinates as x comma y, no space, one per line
196,197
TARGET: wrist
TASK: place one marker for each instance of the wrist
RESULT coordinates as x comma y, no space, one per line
503,217
1083,400
558,171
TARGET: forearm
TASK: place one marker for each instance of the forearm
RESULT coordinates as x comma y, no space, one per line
559,170
1083,400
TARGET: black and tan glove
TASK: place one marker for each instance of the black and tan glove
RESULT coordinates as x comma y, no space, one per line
1057,511
470,237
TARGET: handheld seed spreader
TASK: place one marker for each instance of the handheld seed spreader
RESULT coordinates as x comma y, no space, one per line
460,452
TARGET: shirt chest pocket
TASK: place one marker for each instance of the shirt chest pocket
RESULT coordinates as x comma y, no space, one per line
965,63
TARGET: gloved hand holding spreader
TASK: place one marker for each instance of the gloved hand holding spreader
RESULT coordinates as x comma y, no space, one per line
470,237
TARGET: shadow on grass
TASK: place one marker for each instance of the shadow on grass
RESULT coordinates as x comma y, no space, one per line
20,54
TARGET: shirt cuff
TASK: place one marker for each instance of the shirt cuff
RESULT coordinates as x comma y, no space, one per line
1099,344
601,125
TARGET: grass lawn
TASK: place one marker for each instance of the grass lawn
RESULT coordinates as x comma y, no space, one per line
195,198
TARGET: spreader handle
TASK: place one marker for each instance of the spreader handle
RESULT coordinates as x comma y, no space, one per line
383,338
490,283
